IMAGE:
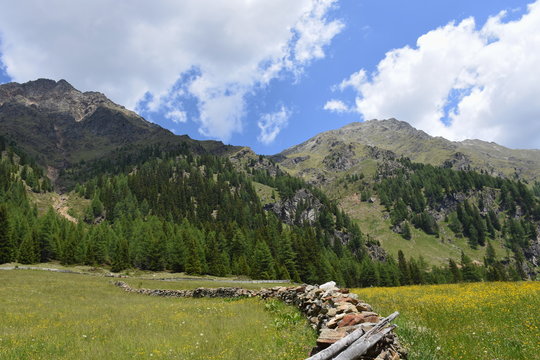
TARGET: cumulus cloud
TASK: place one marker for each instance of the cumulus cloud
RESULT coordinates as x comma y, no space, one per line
271,125
138,49
337,106
461,81
315,31
176,116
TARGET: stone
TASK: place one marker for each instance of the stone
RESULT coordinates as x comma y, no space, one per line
330,336
349,300
331,285
358,318
345,308
363,307
332,323
331,312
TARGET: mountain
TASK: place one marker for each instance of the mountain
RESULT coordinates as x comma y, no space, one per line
60,126
406,189
130,194
357,145
83,180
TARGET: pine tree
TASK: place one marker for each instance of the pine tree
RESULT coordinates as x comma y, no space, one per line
490,254
469,270
454,271
404,273
177,253
28,251
120,256
406,231
6,249
263,267
369,275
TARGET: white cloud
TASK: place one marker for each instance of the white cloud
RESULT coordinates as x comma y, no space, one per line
176,116
131,49
482,81
271,125
315,31
354,81
336,106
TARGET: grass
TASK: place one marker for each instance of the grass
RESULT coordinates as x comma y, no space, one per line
162,280
68,316
73,203
481,321
434,250
265,193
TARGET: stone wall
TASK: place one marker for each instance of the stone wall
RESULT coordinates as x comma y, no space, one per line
332,312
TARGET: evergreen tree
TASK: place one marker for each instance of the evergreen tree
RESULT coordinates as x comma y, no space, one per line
263,267
369,275
406,231
490,254
120,258
404,272
6,249
454,271
28,250
470,271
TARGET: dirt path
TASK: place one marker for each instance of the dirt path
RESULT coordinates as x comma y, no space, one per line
60,205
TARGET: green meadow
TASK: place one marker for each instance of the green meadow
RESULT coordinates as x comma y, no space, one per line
479,321
47,315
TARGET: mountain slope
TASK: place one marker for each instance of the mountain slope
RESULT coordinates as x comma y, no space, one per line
355,145
416,213
60,126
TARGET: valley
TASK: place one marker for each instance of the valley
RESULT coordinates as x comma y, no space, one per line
380,207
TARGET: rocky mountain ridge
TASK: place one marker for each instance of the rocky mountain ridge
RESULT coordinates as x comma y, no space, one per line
59,97
60,126
342,149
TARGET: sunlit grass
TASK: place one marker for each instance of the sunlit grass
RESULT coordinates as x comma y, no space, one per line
464,321
68,316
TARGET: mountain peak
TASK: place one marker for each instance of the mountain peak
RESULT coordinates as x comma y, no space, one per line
47,85
347,144
50,96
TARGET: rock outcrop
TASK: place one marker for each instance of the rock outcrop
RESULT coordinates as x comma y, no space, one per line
302,207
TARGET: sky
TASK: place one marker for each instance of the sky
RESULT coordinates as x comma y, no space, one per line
270,74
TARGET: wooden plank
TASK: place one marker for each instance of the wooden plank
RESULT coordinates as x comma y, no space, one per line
362,345
331,351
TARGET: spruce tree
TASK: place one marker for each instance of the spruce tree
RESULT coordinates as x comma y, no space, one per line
120,256
470,271
28,251
263,267
406,231
6,249
490,254
404,272
454,271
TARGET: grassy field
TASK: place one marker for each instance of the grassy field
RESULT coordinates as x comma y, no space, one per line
434,250
48,315
465,321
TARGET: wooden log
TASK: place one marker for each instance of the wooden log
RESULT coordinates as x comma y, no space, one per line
347,341
362,345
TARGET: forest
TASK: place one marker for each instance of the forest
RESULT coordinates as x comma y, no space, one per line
164,208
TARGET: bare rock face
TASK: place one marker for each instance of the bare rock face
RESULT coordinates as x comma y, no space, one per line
246,156
532,253
60,126
341,157
58,97
458,161
302,207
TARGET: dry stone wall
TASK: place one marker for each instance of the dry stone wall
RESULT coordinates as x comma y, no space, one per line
332,312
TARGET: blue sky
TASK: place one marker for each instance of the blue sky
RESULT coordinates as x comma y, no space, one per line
271,74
